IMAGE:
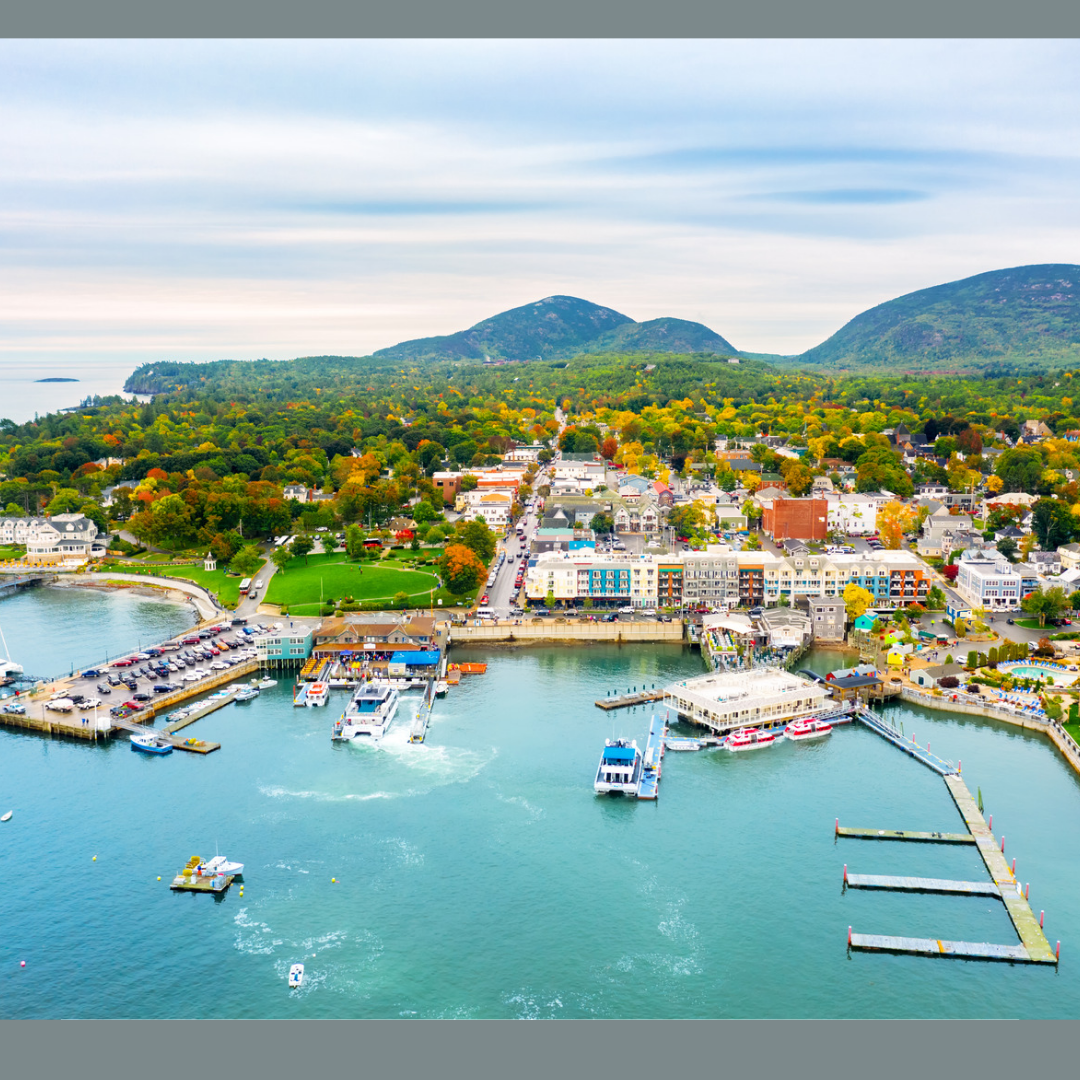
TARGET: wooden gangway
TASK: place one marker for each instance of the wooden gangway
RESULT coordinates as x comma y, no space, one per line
652,760
957,950
882,727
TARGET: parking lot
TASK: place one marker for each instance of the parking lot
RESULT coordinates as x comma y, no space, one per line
131,683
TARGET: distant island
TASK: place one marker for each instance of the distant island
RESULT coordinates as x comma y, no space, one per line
55,379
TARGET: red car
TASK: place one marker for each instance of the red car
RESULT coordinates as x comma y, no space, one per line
484,598
134,705
123,663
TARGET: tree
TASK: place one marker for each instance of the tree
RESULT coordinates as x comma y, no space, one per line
476,536
401,598
354,541
609,448
1045,603
602,524
246,561
423,511
469,482
301,547
280,557
935,599
893,520
1008,547
856,600
973,660
685,519
1053,523
752,543
549,599
994,484
1020,469
461,569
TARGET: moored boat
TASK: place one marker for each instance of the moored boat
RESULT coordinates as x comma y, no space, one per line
265,684
247,693
799,730
296,976
150,744
220,865
620,768
318,693
441,689
685,744
749,739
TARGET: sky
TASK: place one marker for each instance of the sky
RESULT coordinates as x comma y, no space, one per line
200,200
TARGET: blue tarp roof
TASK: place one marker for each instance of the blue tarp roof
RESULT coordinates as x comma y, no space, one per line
416,659
619,753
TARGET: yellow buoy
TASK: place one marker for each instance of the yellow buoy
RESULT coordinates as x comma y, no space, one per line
94,859
333,881
159,877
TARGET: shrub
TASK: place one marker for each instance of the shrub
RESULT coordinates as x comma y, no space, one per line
949,682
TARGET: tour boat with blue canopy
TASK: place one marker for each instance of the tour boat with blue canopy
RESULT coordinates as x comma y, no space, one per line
620,768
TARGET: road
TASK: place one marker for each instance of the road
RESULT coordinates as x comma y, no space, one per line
502,596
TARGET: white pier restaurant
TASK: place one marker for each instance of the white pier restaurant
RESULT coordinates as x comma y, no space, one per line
761,697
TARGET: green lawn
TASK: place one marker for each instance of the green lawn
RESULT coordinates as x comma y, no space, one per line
299,585
1029,624
226,588
15,552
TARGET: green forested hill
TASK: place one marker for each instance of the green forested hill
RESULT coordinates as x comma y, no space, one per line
558,327
1019,319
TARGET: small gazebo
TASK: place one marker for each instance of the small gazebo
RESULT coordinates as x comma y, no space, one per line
209,563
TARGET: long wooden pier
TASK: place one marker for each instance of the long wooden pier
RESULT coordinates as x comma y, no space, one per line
957,950
625,701
1023,918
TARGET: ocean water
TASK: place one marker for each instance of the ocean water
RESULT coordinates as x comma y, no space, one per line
22,395
478,875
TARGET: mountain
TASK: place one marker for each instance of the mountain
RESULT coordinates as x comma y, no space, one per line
558,327
1005,319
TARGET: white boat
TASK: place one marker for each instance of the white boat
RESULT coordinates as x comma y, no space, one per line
369,713
441,689
318,693
265,684
620,768
798,730
749,739
220,865
296,976
247,693
7,816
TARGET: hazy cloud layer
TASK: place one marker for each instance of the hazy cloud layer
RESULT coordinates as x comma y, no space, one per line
191,200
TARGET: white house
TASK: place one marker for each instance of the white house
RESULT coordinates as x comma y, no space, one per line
853,514
493,506
60,538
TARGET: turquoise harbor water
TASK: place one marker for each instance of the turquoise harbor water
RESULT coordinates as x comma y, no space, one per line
479,876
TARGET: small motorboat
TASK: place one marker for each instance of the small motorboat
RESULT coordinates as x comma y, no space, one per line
7,816
799,730
441,689
749,739
296,976
265,684
150,744
685,744
247,693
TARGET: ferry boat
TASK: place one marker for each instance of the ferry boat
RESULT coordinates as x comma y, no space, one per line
318,693
798,730
150,744
749,739
296,976
620,768
369,713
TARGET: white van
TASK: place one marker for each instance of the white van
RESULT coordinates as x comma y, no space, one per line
485,613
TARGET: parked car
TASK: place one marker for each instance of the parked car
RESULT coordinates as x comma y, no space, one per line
15,707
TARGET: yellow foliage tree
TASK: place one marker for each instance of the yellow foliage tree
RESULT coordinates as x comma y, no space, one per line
893,520
994,484
857,600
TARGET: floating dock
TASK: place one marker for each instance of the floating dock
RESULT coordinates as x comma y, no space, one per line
188,881
652,760
626,701
195,746
901,834
418,731
957,950
918,884
218,701
921,753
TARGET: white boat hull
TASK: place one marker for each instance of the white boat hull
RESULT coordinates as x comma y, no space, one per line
740,747
807,735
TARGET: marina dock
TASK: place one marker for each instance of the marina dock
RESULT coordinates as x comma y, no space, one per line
652,760
418,730
910,747
195,746
1034,948
625,701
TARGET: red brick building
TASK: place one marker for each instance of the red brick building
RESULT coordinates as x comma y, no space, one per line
795,519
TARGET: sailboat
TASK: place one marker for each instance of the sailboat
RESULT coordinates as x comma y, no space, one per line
8,668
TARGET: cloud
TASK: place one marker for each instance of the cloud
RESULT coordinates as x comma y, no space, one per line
284,198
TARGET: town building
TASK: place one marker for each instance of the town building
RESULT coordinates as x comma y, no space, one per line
373,632
285,647
827,615
943,533
449,484
51,540
986,579
802,519
853,514
930,677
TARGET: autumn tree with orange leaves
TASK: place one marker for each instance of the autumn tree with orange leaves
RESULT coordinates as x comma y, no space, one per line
461,568
893,520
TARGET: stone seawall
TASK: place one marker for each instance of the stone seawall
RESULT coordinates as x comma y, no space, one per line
533,633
